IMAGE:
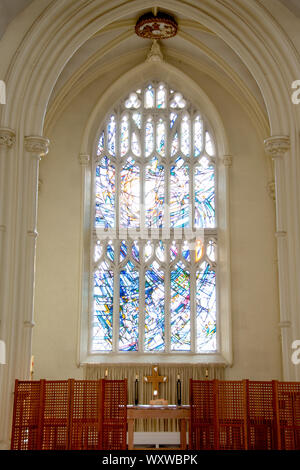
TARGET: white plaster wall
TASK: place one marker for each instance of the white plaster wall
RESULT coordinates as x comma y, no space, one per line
255,310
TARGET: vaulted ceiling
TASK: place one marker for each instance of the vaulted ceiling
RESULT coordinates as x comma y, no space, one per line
195,49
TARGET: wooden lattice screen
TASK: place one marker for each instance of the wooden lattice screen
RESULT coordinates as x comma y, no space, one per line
242,415
92,414
70,414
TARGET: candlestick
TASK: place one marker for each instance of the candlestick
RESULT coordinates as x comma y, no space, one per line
178,391
136,390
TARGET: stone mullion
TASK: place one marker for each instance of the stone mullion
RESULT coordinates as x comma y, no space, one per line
141,320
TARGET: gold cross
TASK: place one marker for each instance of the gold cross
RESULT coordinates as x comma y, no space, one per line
155,379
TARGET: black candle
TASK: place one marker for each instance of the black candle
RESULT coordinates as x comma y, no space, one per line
136,391
178,390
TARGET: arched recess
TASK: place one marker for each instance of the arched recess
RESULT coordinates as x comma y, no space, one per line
161,71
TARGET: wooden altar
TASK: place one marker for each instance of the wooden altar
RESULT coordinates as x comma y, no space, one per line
182,413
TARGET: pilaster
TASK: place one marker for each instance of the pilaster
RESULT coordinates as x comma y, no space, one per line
7,140
277,147
20,247
35,147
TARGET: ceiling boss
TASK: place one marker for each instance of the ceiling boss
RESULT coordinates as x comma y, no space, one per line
157,25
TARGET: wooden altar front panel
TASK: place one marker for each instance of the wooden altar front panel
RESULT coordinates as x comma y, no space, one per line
181,413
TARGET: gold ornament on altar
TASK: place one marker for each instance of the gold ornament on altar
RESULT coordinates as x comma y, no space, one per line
156,379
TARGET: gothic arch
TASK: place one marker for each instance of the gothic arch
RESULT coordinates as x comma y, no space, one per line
156,69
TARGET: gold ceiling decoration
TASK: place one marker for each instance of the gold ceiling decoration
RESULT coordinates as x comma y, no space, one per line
158,26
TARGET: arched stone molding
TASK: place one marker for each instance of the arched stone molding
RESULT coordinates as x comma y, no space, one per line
154,67
62,27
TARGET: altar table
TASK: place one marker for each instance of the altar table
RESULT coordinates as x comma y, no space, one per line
160,412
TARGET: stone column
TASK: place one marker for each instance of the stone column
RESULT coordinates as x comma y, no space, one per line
35,147
224,259
84,161
276,147
7,140
19,260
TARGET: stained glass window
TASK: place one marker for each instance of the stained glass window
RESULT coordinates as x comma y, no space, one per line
154,228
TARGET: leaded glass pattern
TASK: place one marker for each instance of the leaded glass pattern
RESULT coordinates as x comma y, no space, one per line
154,289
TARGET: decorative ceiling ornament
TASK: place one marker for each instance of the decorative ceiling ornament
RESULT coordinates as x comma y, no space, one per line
159,26
155,54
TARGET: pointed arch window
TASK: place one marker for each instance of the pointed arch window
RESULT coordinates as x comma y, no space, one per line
153,283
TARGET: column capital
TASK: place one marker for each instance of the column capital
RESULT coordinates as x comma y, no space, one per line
84,159
277,145
36,145
7,137
227,160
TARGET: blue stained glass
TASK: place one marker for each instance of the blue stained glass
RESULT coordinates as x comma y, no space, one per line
135,251
185,136
161,137
129,306
98,251
111,136
149,138
130,195
103,309
110,251
175,145
123,251
135,144
105,194
149,97
154,194
148,250
137,118
154,309
179,194
204,197
206,309
186,251
180,309
161,97
173,250
160,251
100,144
124,137
173,117
170,136
198,136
